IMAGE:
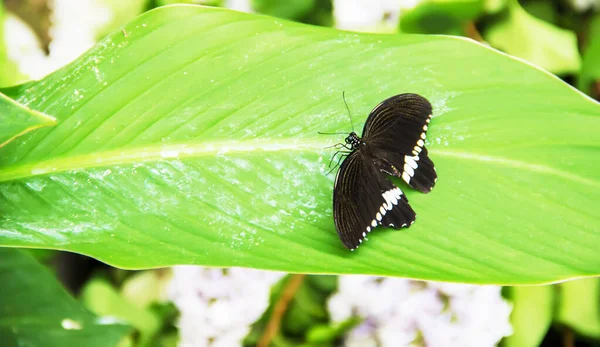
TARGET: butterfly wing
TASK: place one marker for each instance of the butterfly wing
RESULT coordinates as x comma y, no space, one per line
364,198
395,131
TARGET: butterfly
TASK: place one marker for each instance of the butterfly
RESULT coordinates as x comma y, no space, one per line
392,143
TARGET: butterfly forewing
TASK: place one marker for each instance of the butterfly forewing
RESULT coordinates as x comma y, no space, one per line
395,131
364,198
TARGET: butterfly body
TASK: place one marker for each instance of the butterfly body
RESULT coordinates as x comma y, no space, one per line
392,144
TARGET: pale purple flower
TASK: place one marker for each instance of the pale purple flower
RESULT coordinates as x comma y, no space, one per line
218,306
401,312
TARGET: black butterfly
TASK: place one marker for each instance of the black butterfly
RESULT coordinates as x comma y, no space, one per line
393,143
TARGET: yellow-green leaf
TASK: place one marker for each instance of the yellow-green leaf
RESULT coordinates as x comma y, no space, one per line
539,42
531,316
17,120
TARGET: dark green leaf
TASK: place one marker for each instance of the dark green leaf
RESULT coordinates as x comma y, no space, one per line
440,16
35,310
590,66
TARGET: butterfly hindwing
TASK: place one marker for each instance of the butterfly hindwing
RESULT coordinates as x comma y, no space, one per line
395,131
364,198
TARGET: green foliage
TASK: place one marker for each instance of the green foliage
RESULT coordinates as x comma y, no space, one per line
36,311
317,12
532,314
100,297
193,140
590,66
145,288
441,16
579,306
294,9
305,319
196,2
539,42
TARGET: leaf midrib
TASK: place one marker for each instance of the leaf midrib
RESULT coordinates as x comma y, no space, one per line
182,151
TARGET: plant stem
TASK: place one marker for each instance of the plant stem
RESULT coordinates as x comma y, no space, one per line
287,294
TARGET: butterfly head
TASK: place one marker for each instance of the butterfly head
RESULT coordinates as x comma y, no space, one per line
353,140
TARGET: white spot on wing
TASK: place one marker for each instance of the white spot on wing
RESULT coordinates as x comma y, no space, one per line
405,177
411,161
409,170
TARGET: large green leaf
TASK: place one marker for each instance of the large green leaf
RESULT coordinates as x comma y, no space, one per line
194,140
35,310
17,120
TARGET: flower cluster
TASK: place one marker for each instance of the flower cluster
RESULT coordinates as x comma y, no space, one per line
401,312
217,306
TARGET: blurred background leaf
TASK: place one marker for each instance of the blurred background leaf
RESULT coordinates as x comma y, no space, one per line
316,12
533,310
191,2
579,306
535,40
589,80
305,311
441,16
101,298
36,311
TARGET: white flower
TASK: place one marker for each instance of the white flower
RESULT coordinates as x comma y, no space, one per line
218,306
239,5
368,15
401,312
584,5
75,26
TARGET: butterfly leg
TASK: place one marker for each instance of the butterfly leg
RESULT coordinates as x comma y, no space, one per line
344,155
339,146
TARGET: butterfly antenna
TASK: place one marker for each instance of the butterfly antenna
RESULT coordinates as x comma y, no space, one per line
348,109
322,133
